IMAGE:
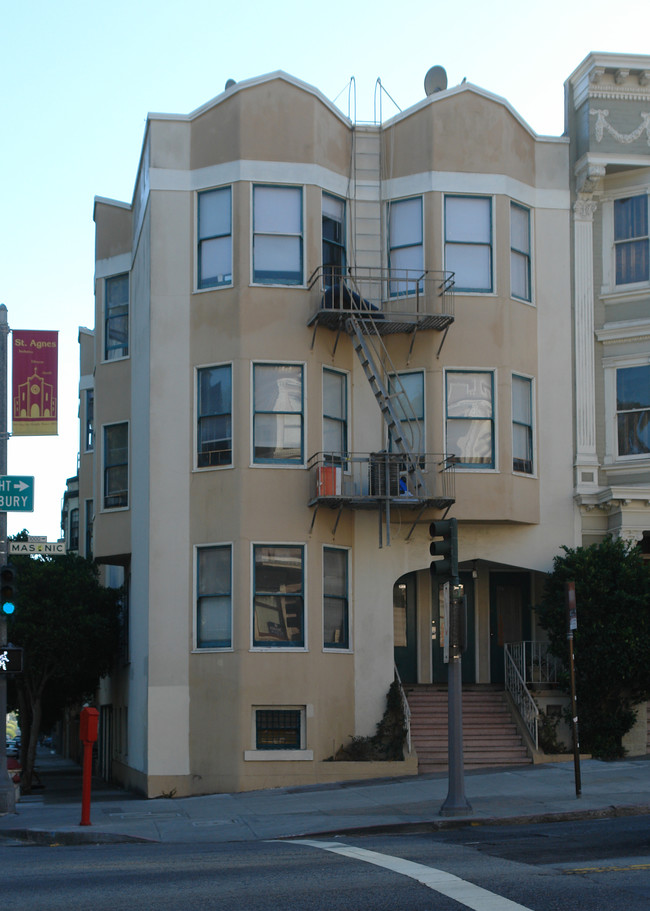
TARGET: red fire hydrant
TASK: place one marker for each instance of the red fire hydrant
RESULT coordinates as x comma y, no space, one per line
88,728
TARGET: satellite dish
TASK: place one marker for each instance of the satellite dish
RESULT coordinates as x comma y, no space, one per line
229,84
435,80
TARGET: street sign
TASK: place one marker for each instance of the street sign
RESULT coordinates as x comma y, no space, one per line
11,660
16,493
53,548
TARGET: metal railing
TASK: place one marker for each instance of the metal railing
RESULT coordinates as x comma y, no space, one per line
406,709
364,477
536,664
408,294
521,696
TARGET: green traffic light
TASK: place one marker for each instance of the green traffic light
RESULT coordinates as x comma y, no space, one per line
8,607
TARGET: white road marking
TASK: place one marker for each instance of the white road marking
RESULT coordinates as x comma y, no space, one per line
446,883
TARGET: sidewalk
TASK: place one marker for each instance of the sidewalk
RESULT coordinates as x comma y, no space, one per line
510,795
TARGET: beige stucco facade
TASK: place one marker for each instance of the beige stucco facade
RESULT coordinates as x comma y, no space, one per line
183,711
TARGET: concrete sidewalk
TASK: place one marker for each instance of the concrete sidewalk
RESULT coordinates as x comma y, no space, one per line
509,795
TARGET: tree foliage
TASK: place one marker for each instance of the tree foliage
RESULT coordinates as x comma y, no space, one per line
612,640
68,626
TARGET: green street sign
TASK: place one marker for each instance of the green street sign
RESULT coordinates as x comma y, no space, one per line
16,493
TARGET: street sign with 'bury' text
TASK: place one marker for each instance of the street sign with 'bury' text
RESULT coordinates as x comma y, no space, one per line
16,493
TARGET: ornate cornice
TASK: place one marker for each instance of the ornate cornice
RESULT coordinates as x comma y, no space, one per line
584,208
589,177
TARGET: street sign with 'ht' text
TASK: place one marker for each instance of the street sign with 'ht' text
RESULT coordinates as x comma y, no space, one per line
16,493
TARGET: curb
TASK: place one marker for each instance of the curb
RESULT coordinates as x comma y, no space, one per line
54,838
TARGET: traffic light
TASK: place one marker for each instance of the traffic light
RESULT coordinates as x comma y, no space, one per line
8,588
447,548
458,619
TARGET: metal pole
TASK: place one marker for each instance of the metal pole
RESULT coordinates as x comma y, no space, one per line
456,804
7,789
572,623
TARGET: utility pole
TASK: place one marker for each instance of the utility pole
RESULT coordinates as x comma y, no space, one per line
7,790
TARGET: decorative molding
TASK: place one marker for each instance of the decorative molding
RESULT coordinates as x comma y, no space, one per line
620,76
589,177
644,77
584,208
627,138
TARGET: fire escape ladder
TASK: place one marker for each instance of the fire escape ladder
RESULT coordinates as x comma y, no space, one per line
365,336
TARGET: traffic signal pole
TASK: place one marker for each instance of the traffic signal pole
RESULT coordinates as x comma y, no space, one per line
7,789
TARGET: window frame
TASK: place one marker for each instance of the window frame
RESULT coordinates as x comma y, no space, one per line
460,464
89,423
526,255
345,644
202,241
111,317
400,287
518,423
331,455
106,468
73,528
406,421
257,275
279,645
198,452
225,645
627,457
280,753
337,269
89,514
458,287
618,243
295,462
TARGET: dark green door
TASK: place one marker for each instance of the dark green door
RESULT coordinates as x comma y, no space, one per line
509,616
468,665
405,628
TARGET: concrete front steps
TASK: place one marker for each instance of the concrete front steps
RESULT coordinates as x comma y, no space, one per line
490,736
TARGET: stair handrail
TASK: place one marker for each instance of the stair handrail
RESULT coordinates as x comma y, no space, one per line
406,709
521,696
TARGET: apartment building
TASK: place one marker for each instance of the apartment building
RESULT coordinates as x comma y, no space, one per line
312,338
608,121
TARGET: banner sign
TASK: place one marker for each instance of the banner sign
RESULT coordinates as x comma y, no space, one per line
34,389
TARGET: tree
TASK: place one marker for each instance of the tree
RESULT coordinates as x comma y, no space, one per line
612,640
68,626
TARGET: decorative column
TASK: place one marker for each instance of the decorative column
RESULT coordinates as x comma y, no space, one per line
586,461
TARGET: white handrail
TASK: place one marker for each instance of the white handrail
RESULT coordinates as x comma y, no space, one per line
521,696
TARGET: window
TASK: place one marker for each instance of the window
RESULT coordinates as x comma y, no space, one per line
405,245
633,410
278,413
116,466
410,413
278,729
89,516
74,528
116,317
215,238
333,230
520,252
335,412
278,607
631,239
214,597
335,598
277,235
522,424
470,418
90,420
468,242
214,416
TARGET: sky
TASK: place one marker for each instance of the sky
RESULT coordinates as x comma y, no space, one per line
77,80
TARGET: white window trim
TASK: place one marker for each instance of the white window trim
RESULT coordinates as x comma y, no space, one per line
281,649
111,509
300,755
303,235
196,649
195,453
291,466
531,243
495,415
494,292
348,422
612,458
350,649
401,373
533,415
609,288
389,204
197,239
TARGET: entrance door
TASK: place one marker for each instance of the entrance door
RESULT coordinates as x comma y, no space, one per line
468,663
404,628
509,616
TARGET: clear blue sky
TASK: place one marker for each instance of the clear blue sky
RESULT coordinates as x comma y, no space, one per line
77,80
